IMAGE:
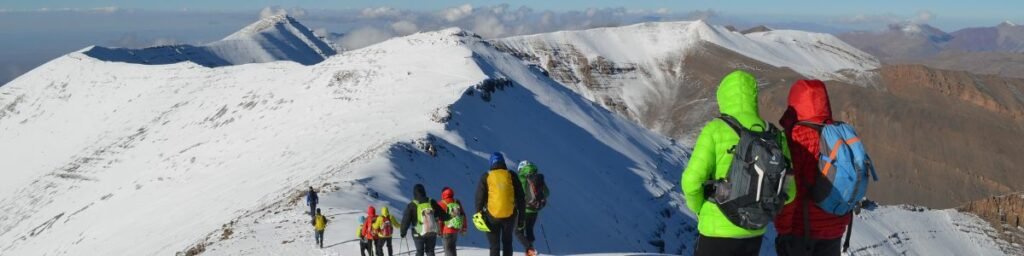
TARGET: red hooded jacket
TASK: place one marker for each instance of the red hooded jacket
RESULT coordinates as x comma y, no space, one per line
808,101
371,214
448,196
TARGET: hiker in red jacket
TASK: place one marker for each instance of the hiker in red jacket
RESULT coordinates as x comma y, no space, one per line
808,102
368,232
456,222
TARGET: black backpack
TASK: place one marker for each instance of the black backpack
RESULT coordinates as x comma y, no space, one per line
536,191
752,194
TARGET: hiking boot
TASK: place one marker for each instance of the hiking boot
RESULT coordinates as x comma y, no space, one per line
531,252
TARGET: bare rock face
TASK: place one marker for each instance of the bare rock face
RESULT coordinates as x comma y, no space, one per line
939,138
992,93
1005,214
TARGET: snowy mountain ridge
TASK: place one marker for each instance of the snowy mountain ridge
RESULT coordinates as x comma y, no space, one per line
815,55
273,38
197,147
106,157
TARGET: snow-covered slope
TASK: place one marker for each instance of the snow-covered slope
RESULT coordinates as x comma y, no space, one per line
909,230
117,158
814,55
662,74
272,38
111,158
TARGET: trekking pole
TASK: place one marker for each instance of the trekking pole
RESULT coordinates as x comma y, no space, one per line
546,242
407,247
400,246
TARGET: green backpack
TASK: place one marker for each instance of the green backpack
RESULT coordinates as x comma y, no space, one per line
425,216
456,220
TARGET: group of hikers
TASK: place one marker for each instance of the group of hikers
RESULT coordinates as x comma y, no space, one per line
507,202
808,178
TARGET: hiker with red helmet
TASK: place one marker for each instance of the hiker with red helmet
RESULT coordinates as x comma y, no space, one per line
456,223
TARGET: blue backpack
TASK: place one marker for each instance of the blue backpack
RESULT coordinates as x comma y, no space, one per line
845,167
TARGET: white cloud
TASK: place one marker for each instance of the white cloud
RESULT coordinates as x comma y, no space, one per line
404,27
108,9
488,26
380,12
702,14
362,37
165,41
457,13
922,17
276,10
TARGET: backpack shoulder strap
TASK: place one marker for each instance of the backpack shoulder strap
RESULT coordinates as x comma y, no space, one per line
812,125
732,122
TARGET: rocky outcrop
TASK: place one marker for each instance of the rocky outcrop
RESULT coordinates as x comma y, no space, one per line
997,94
1006,215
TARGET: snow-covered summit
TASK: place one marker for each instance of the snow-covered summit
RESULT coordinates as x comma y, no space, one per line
1007,23
815,55
273,38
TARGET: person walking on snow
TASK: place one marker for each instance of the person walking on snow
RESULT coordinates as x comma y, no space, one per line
711,160
422,216
384,225
456,223
319,224
535,194
499,198
311,201
808,102
368,232
365,247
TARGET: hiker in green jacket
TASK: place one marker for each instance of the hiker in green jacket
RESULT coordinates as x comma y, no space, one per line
711,160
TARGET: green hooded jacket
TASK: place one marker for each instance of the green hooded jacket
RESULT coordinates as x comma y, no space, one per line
737,97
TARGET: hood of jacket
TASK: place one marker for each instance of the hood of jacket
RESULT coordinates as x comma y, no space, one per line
737,97
808,101
371,212
419,193
384,211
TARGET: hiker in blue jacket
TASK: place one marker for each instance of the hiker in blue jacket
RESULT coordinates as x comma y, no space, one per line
311,201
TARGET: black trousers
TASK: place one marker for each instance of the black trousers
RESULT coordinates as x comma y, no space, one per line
379,244
500,236
450,240
425,245
366,248
525,233
799,246
714,246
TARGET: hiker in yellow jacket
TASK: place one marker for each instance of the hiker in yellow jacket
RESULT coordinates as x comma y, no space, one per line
384,226
319,224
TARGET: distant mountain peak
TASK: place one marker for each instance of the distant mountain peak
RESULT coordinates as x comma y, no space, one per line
265,24
932,33
1007,23
271,38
